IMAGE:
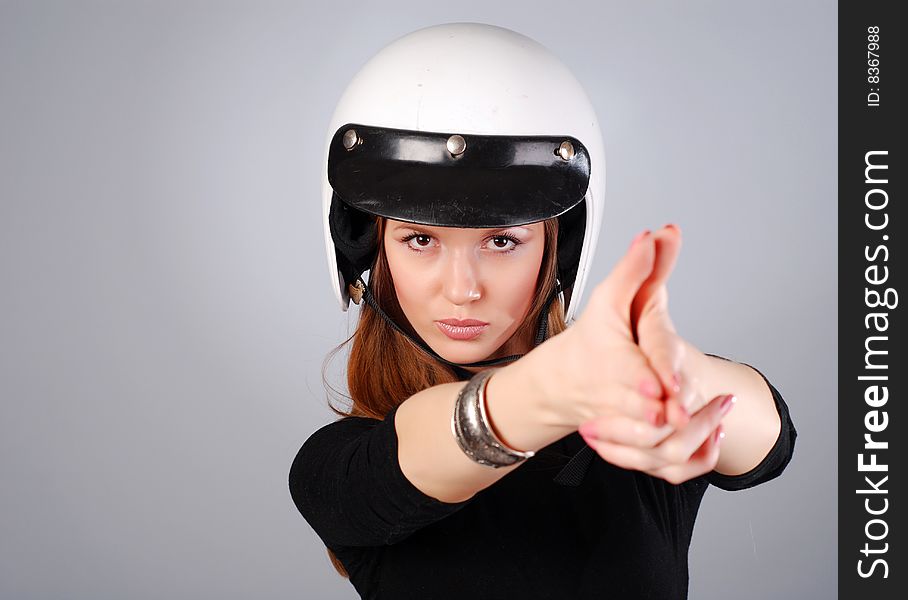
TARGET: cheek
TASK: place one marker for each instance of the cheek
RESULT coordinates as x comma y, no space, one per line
526,287
408,282
519,285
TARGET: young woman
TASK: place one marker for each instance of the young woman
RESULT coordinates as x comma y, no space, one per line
497,447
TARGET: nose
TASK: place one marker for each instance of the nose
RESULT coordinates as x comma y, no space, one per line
462,283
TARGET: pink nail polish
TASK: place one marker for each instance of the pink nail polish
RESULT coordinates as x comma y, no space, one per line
684,411
660,418
676,383
719,435
648,388
652,417
727,404
588,430
639,237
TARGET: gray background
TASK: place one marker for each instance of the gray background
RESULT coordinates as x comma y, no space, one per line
166,306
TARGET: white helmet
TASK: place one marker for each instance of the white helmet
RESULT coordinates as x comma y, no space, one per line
464,125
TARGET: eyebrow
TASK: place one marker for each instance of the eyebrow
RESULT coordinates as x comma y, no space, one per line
432,228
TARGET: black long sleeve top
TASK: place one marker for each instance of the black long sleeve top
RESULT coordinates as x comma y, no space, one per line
564,524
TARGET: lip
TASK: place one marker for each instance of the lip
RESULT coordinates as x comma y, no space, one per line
462,323
456,330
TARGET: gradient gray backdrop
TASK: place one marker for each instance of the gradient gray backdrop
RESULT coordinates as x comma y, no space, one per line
166,306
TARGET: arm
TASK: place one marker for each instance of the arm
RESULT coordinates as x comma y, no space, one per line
753,427
347,483
429,455
592,368
365,482
759,435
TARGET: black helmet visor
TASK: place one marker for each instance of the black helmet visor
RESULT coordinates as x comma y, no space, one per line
457,180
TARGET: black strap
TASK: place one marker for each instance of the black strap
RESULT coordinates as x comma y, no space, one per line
573,472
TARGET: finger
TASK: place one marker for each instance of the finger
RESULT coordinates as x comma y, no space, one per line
701,462
667,246
619,429
632,404
664,350
675,414
687,395
625,457
616,292
649,312
626,366
683,443
683,396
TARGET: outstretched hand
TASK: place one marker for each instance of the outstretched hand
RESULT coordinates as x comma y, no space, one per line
595,368
684,442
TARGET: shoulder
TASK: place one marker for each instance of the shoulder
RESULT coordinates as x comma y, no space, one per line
329,438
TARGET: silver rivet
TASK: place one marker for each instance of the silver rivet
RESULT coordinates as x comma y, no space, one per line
350,139
566,150
456,145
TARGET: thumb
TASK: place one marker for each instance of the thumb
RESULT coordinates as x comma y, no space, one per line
661,345
666,353
617,291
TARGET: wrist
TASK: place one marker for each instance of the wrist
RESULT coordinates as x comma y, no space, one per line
547,397
517,408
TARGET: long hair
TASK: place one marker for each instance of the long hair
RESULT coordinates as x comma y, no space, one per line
385,368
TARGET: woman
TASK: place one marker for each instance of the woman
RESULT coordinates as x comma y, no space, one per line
497,447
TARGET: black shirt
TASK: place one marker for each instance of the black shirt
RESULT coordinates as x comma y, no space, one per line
564,524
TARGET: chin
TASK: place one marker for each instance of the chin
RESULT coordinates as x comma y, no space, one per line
462,352
462,356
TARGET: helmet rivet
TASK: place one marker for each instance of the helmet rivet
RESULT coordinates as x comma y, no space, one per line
355,290
456,145
350,139
566,150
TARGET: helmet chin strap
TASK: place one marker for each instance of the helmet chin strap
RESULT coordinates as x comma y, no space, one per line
541,331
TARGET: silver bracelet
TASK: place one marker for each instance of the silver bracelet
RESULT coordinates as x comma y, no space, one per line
472,430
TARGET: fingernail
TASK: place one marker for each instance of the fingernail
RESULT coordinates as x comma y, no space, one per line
653,418
661,419
719,435
671,225
676,383
684,411
648,388
727,404
639,237
588,430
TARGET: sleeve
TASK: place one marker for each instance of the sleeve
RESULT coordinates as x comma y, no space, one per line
347,483
775,461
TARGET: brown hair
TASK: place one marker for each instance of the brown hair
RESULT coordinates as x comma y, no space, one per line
379,381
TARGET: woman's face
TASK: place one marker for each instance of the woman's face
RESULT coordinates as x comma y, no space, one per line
453,274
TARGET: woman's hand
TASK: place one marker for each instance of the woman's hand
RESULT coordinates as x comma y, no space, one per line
686,446
595,368
675,456
676,362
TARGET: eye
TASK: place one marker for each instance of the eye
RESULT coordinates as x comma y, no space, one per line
500,242
422,240
417,241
